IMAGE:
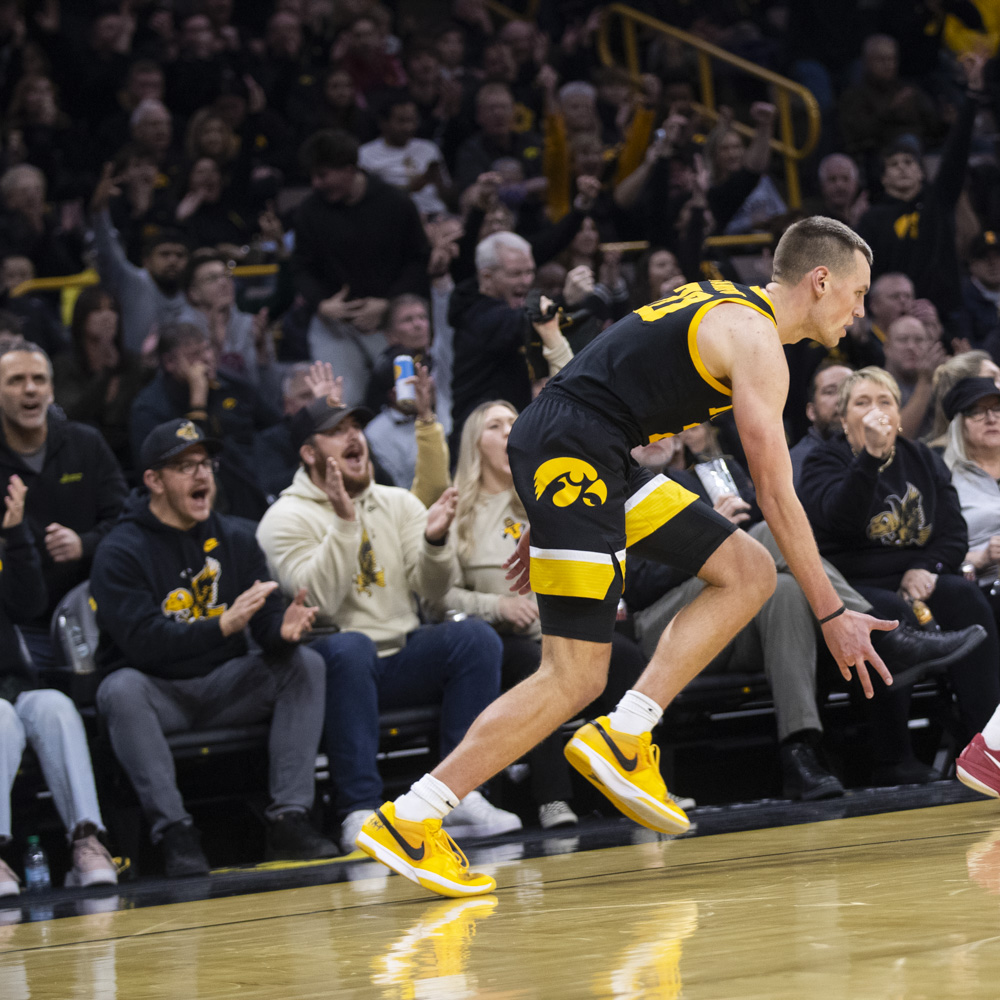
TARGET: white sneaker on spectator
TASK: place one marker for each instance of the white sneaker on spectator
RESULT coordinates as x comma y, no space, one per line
557,813
682,801
8,881
92,864
351,827
475,817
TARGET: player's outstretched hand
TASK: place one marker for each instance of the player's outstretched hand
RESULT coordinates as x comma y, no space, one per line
848,637
518,566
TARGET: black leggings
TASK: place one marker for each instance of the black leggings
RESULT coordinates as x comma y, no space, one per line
975,680
522,655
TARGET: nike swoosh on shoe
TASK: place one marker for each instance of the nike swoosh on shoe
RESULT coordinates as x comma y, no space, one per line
411,852
628,763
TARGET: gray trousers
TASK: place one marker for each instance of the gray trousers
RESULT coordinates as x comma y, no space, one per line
351,353
780,639
49,721
140,711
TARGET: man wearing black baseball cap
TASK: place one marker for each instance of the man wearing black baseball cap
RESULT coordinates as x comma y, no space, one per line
177,586
981,293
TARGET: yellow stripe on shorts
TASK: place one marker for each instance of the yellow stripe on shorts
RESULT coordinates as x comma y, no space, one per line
652,506
571,573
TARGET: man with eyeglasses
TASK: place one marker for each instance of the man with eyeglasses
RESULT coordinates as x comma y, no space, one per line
177,587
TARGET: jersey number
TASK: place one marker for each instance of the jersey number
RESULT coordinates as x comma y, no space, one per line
686,295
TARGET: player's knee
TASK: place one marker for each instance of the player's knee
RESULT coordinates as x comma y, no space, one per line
743,563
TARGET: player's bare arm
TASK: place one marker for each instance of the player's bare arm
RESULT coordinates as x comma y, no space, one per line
745,351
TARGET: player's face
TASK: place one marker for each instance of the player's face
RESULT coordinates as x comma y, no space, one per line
843,302
493,440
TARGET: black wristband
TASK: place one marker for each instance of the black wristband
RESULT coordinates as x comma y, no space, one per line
836,614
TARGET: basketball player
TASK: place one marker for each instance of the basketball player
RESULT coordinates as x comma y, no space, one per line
706,348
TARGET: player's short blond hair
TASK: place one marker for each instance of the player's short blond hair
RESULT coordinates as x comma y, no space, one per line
815,242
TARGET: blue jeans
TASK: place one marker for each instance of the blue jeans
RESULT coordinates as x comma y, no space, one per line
456,665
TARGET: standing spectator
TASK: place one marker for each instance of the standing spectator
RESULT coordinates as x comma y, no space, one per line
491,328
151,295
177,587
143,82
188,384
335,106
28,226
98,379
913,228
497,139
241,345
46,719
144,205
358,242
362,49
195,77
400,159
365,553
981,294
75,486
841,196
912,355
882,107
207,211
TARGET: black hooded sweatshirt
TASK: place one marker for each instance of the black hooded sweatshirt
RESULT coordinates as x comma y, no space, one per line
160,593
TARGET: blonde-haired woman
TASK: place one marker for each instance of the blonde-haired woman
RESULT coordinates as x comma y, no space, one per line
969,364
488,523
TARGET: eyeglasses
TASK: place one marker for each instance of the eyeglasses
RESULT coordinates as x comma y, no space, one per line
190,467
978,414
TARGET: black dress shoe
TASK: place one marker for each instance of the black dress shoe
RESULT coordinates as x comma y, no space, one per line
182,854
906,772
291,837
804,777
912,654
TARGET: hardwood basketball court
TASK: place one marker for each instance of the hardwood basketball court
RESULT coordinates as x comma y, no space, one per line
894,905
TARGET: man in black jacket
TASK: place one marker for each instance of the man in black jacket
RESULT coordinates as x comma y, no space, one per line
358,243
177,585
75,486
189,385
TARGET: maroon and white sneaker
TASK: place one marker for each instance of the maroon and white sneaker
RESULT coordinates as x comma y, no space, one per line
979,767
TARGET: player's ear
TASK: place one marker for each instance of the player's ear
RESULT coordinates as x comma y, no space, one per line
820,280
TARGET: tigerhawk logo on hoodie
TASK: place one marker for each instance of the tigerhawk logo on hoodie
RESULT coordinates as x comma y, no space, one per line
184,605
370,575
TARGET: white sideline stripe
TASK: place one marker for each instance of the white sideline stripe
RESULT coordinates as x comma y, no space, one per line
574,555
654,484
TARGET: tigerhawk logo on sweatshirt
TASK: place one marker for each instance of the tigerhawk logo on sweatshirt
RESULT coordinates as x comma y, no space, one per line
184,605
370,575
904,523
512,528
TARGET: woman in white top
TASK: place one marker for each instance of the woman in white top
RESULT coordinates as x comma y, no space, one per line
488,523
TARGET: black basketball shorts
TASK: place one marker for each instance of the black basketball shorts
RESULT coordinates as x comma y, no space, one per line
587,502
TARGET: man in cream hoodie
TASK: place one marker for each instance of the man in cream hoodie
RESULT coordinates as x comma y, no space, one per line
365,553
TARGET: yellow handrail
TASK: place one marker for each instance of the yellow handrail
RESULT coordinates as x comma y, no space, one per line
530,12
784,88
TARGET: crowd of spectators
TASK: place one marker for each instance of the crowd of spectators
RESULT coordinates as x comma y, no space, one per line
223,455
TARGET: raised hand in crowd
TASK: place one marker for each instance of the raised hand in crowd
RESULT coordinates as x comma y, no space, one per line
237,616
973,67
323,384
578,285
423,387
587,190
440,515
336,492
369,313
298,618
14,502
63,544
108,187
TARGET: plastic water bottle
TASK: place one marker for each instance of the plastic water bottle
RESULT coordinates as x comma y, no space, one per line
36,867
74,644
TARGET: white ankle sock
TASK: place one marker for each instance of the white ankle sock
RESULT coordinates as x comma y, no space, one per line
635,714
427,798
991,731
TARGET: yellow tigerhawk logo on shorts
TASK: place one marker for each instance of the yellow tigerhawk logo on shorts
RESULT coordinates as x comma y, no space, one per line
186,606
574,479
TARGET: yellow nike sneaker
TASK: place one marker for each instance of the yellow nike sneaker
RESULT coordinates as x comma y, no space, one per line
627,770
421,852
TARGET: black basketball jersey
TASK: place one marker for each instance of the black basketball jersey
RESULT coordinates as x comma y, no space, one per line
645,374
